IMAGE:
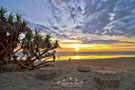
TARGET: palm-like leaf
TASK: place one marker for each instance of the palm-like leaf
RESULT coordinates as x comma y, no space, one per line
36,36
18,17
56,44
2,13
36,32
47,38
47,42
24,23
29,35
10,18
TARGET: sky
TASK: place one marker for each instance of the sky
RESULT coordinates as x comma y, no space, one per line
81,25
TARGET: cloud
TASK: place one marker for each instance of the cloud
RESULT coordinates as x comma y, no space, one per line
55,27
79,19
106,41
78,27
112,17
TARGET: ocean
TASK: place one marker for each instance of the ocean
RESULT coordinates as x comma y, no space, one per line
93,55
90,55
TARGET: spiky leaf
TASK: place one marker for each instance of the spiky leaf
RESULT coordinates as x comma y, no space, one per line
56,44
24,23
47,38
18,18
29,35
10,18
2,13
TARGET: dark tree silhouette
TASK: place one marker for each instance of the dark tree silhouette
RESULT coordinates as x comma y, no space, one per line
33,45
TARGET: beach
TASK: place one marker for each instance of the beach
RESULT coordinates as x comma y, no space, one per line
73,75
122,63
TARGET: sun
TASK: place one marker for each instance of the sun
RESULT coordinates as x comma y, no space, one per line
76,47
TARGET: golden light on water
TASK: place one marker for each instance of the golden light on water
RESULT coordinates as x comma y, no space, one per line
76,57
79,57
77,46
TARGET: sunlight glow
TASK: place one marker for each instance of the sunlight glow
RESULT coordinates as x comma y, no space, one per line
77,47
76,57
79,57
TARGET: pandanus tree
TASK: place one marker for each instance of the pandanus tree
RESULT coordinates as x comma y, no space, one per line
10,29
33,46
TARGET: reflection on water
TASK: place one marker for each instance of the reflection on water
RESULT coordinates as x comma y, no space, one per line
89,55
75,57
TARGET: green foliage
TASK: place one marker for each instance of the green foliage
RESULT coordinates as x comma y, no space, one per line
36,33
18,18
29,35
10,18
47,38
2,13
56,44
56,41
24,23
37,36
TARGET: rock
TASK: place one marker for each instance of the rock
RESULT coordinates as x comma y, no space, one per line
131,69
107,78
46,73
84,69
133,83
8,67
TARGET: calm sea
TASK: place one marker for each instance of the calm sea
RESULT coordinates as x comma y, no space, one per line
90,55
93,55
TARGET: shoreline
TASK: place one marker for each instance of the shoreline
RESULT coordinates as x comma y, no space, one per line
100,59
82,57
123,63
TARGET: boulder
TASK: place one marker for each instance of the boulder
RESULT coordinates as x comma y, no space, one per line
107,78
46,73
84,69
131,69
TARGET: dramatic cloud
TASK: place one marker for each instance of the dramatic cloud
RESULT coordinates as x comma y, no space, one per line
78,27
107,41
86,20
110,17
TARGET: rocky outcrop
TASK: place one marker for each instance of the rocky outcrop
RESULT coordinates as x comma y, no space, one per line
46,73
84,69
107,78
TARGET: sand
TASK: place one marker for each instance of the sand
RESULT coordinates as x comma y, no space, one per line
113,63
69,78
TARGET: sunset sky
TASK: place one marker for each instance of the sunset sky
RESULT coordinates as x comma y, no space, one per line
78,46
81,25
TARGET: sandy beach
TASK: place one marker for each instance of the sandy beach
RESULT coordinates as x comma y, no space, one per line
74,75
122,63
